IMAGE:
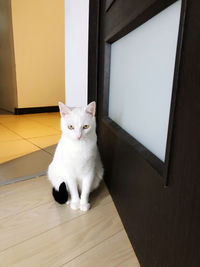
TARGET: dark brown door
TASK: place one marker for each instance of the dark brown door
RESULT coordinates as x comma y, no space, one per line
157,199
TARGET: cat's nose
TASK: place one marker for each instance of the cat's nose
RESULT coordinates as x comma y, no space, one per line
79,137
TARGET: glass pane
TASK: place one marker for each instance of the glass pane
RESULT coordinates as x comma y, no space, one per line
141,78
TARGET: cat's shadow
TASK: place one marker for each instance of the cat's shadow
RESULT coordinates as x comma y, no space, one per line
99,196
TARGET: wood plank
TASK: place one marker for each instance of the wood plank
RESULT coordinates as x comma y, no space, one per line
65,242
22,226
23,196
115,251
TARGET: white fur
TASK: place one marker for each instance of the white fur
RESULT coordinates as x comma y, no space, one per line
76,160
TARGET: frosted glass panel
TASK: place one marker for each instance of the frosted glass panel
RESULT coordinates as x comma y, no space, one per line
141,79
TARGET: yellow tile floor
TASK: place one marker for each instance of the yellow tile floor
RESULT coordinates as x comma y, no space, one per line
23,134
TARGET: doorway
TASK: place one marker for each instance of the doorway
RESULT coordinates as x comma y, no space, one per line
32,62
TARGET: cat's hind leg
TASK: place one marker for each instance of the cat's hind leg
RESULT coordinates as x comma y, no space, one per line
98,176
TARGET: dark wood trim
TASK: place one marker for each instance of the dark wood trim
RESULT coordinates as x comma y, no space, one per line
174,91
109,4
93,49
106,84
155,162
161,167
137,20
20,111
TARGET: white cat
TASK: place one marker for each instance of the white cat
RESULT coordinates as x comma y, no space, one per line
76,164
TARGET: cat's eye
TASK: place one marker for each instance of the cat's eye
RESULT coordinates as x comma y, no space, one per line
85,127
71,127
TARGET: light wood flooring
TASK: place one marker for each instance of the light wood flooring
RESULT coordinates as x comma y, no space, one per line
36,231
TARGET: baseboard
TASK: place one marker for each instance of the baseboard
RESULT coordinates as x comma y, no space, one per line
20,111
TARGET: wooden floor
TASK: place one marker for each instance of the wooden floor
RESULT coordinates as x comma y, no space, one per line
36,231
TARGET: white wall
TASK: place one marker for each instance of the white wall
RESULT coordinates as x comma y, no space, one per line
76,52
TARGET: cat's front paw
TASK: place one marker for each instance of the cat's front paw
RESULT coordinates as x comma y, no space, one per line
75,205
85,206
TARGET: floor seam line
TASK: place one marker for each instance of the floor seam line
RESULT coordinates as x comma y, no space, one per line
43,149
24,211
23,178
45,231
93,246
28,137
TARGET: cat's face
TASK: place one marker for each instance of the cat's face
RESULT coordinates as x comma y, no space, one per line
78,123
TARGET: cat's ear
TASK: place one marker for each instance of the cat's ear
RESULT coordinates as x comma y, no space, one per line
91,108
64,110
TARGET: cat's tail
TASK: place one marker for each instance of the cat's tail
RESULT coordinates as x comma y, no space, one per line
59,190
61,196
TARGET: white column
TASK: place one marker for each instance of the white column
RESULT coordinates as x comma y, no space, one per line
76,52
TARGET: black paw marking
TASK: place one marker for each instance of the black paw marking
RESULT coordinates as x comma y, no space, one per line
60,196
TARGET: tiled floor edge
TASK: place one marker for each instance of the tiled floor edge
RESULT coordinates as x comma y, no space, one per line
24,178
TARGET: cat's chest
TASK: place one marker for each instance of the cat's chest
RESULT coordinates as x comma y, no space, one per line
78,154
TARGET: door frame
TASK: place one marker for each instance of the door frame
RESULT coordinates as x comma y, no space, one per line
93,50
95,66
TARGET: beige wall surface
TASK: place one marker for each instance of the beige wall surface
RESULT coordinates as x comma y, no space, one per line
7,64
38,30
